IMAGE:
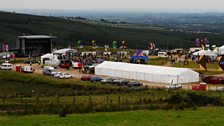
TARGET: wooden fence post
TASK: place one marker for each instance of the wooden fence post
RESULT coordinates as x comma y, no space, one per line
21,99
119,100
90,100
57,98
107,100
153,96
37,100
74,100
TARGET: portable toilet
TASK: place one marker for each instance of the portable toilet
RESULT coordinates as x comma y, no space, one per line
202,87
18,68
194,87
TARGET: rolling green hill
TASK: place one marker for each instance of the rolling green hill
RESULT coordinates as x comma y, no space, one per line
69,32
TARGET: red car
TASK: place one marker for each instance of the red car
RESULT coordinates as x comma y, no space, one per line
85,78
64,65
213,80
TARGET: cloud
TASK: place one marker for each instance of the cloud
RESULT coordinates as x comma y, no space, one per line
113,4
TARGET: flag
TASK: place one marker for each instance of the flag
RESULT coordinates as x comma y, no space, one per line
152,46
124,44
206,41
93,42
115,44
202,62
198,42
221,63
202,44
3,48
79,43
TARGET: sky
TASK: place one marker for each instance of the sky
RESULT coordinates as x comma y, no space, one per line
133,5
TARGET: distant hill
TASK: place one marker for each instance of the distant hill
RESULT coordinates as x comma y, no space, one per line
70,31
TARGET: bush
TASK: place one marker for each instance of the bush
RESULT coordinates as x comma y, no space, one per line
63,112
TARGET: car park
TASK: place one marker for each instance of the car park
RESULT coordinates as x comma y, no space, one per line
85,78
95,79
134,84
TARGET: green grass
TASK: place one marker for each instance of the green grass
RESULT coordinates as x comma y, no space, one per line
212,68
158,61
13,83
209,116
193,64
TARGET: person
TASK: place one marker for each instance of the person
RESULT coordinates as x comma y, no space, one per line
83,70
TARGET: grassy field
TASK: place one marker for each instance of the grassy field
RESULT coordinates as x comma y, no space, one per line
208,116
212,68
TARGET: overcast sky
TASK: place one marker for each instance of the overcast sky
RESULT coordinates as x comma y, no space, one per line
206,5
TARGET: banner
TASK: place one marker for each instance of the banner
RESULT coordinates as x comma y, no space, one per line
221,63
202,62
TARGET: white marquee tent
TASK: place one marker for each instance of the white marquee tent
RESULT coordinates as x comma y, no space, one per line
221,49
204,52
149,73
49,56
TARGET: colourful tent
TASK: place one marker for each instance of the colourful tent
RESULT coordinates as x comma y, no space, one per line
139,55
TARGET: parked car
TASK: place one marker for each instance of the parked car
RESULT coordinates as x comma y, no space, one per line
76,65
120,82
213,80
95,79
48,70
220,89
65,76
173,86
27,69
85,78
107,81
6,66
30,61
134,84
57,74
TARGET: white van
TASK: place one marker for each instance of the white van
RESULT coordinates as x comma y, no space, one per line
53,63
6,66
48,70
27,69
162,54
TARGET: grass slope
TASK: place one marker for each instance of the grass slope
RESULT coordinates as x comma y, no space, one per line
208,116
69,32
